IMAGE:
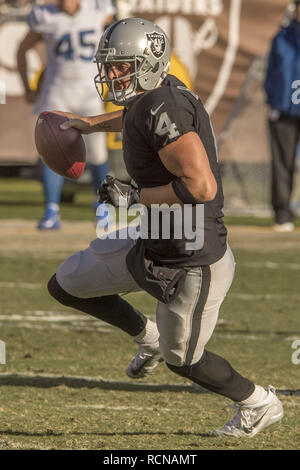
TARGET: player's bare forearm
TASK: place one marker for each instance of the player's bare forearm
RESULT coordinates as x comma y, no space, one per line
22,68
108,122
28,42
159,195
29,94
165,194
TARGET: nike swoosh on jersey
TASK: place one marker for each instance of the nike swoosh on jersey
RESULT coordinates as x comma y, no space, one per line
154,112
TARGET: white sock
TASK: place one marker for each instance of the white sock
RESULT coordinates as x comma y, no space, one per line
149,334
256,398
53,206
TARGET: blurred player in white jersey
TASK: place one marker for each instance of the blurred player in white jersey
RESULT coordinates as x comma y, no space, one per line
71,31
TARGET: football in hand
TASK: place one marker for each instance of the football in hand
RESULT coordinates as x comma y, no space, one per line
63,151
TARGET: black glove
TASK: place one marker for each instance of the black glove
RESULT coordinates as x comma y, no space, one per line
117,193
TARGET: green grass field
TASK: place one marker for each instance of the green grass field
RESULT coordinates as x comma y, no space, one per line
64,384
24,199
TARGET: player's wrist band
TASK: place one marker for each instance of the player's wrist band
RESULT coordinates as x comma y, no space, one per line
183,193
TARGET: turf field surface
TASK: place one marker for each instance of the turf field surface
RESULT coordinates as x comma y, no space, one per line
64,384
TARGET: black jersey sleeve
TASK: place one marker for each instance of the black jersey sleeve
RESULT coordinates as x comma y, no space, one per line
166,123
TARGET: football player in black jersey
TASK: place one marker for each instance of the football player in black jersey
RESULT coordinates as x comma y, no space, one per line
170,152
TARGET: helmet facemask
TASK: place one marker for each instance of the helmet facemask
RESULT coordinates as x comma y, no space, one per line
141,67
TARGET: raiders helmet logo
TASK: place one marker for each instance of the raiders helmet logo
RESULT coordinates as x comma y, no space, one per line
157,44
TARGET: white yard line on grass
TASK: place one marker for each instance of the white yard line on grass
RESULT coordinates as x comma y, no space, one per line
54,318
45,319
243,296
56,255
60,327
21,285
118,408
68,321
270,265
237,295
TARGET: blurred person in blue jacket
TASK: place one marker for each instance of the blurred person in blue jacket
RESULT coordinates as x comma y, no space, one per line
282,87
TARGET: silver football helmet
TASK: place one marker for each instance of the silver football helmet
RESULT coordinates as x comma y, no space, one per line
137,41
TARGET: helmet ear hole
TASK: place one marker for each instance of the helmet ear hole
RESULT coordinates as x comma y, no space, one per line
155,68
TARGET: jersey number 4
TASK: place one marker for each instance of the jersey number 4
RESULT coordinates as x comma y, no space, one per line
166,127
65,46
